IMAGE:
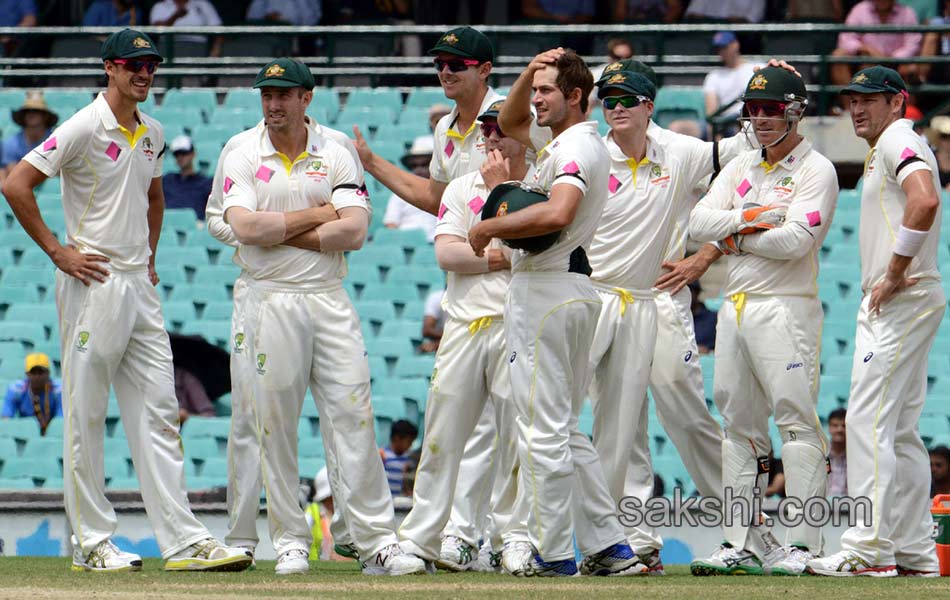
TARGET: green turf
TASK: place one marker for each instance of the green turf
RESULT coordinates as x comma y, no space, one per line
52,578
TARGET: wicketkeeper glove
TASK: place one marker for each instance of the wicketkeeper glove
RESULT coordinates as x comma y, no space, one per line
759,218
731,245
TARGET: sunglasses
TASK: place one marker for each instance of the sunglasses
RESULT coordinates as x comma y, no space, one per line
611,102
490,128
136,65
456,65
765,109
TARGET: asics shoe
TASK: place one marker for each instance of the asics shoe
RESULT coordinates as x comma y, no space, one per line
105,557
727,560
617,560
848,564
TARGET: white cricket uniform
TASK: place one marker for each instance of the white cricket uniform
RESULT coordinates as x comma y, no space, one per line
887,461
649,204
112,333
550,315
471,370
768,337
244,480
457,152
300,330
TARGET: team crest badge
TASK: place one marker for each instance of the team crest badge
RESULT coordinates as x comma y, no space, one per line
618,78
860,78
502,210
786,181
141,43
758,82
261,360
613,67
82,340
315,165
656,171
239,343
274,71
450,39
496,106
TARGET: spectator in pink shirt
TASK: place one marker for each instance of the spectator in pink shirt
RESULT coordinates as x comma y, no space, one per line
893,45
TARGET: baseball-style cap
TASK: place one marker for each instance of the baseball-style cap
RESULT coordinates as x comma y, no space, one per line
285,72
629,64
467,43
628,81
940,125
493,110
129,43
421,146
182,143
775,84
723,39
513,196
36,360
876,80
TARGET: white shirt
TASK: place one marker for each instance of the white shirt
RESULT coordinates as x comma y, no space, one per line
576,157
106,173
433,308
200,13
457,153
648,205
728,84
784,260
470,296
259,178
898,153
406,216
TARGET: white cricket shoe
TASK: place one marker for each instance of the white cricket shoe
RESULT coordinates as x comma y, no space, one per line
848,564
293,562
727,560
456,554
651,558
792,564
105,557
210,555
391,560
488,561
515,557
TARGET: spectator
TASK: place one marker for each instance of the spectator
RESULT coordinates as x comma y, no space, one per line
558,11
188,13
690,127
940,126
939,471
18,13
409,481
436,112
649,11
433,322
187,188
319,513
837,458
816,10
113,13
873,45
704,321
936,44
617,49
191,394
399,213
723,85
289,12
396,455
36,395
736,11
36,122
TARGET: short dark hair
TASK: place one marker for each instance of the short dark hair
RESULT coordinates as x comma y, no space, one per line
941,451
887,98
572,72
838,413
403,428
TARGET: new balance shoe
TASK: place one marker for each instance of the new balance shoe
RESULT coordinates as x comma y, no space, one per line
792,563
847,564
456,554
293,562
391,560
651,558
487,561
558,568
617,560
726,560
105,557
905,572
210,555
515,557
347,550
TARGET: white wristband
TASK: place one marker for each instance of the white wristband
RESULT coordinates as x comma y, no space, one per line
909,241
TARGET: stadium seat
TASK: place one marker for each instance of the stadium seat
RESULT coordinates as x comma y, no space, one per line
378,256
179,219
8,450
222,274
203,427
44,314
200,293
113,446
201,448
425,97
377,311
676,102
123,483
177,313
839,366
415,366
394,293
16,484
217,311
174,256
13,293
216,332
178,120
408,239
389,347
378,369
66,102
215,468
44,446
116,467
428,278
23,331
309,467
189,100
36,468
237,98
364,117
193,483
311,447
410,329
44,278
362,274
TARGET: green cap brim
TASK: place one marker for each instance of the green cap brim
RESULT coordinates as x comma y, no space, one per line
858,88
144,52
450,50
278,83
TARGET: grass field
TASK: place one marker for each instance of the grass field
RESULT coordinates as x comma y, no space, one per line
23,578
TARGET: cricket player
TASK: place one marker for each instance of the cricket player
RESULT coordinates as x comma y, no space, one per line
110,158
299,325
550,314
471,367
463,58
897,322
771,208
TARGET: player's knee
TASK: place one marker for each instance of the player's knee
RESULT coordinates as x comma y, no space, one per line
803,435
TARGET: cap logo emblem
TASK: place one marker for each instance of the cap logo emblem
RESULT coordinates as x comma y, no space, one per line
860,78
274,71
618,78
496,106
141,43
502,210
758,82
450,39
613,67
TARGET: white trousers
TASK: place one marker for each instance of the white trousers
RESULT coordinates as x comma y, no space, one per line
244,451
767,363
549,326
887,461
620,358
113,333
470,517
301,338
471,375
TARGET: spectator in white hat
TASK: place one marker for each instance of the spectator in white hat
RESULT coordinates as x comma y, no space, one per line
187,188
399,213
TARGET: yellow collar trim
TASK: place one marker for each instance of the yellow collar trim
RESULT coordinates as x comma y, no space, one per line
133,138
289,164
454,134
768,168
